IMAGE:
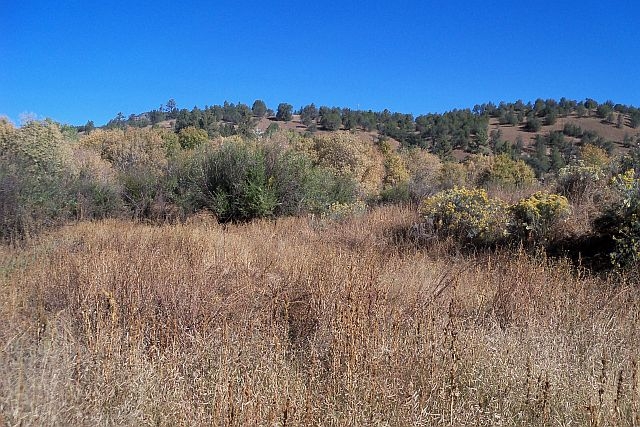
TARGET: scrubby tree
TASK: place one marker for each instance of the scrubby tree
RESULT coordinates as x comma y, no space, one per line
533,124
330,118
259,108
308,114
590,104
284,113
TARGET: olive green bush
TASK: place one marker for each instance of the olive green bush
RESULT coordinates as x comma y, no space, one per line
622,220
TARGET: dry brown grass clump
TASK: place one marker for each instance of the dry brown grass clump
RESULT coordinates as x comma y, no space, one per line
306,322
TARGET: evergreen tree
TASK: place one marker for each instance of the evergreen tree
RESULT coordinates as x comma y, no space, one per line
284,113
259,108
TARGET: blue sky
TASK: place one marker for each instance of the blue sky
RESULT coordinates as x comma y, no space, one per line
74,60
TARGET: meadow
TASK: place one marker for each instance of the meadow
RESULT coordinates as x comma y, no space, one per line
309,320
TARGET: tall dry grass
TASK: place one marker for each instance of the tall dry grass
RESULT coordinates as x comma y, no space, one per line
307,322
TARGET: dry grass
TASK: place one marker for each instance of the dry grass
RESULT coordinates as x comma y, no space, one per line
304,322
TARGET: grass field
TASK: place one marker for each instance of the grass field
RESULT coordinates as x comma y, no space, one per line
306,321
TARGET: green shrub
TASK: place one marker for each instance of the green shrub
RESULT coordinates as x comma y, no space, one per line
467,214
622,220
234,184
533,218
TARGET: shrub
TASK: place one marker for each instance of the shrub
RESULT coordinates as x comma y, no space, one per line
139,156
505,172
96,189
234,185
452,175
594,156
352,157
424,170
467,214
533,218
191,137
622,220
338,211
577,180
36,169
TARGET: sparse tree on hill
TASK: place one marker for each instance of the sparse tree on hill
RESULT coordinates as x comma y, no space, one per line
284,113
308,114
590,104
259,108
171,109
551,117
330,118
533,123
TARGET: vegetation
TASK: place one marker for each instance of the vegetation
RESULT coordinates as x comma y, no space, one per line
217,266
312,322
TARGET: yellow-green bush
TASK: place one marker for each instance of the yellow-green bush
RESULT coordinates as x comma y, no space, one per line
535,216
191,137
351,156
452,174
502,171
129,148
594,156
36,169
467,214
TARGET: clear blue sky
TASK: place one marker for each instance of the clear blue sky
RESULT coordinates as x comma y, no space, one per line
78,60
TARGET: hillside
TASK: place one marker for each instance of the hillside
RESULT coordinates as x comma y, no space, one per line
347,271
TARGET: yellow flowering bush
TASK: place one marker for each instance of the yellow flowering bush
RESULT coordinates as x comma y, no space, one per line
468,214
535,216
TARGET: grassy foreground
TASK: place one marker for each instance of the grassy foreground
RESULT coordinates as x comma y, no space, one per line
303,321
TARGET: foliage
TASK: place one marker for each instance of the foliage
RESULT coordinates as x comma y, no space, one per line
594,156
35,168
234,184
350,156
330,118
424,172
339,211
284,112
452,174
505,172
533,124
576,180
622,220
191,137
467,214
309,114
535,216
259,108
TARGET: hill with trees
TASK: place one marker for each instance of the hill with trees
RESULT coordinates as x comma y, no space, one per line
238,265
